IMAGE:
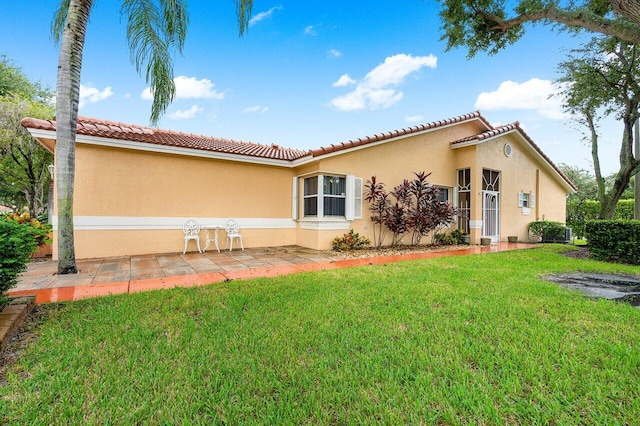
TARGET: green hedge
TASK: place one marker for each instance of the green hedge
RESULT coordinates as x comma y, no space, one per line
17,244
19,238
548,231
614,240
578,214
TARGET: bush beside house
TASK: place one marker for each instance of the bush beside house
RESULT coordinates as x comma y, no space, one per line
20,236
615,240
579,213
549,231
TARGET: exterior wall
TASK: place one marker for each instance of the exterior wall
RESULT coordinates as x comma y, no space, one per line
520,172
135,202
91,244
552,204
391,163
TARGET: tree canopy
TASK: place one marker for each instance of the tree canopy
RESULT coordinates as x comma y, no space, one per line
24,177
601,79
491,25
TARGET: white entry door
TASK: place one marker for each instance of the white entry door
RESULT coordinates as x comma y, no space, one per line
491,215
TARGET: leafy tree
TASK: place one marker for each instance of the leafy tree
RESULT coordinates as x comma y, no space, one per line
603,79
583,179
24,162
491,25
154,29
13,82
24,177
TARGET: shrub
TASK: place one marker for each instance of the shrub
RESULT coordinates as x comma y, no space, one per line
17,244
39,230
547,230
350,241
450,238
624,210
417,210
581,212
615,240
376,194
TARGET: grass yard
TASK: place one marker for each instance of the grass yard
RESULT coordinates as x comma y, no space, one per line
466,340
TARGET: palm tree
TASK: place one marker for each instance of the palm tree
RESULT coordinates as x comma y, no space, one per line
154,29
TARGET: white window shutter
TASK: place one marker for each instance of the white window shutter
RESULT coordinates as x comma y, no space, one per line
349,208
294,199
358,198
520,203
532,199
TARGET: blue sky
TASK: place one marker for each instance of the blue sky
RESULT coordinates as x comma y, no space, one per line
311,74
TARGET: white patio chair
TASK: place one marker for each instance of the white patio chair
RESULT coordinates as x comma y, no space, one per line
191,230
233,232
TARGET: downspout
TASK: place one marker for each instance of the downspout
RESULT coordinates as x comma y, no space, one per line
537,204
636,205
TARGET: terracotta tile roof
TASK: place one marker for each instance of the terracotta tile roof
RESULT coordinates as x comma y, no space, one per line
496,131
396,133
130,132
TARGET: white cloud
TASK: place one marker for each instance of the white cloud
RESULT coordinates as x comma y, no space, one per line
534,94
90,94
263,15
191,88
344,80
256,108
310,31
333,53
414,118
374,90
185,115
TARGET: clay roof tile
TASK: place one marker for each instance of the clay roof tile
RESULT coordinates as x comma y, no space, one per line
103,128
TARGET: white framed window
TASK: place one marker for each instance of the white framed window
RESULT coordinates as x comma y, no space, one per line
330,196
444,194
334,195
325,195
464,199
310,196
526,200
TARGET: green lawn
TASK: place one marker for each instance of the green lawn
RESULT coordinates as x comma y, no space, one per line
477,339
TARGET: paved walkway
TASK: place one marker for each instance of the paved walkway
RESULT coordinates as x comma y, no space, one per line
131,274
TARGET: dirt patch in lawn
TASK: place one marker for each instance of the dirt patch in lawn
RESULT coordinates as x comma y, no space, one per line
618,287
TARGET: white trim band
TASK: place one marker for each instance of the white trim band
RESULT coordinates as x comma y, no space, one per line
475,224
324,225
141,223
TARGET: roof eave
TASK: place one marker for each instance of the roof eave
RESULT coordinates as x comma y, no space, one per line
566,183
41,135
371,141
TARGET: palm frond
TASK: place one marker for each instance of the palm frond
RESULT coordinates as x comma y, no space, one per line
243,12
154,29
59,20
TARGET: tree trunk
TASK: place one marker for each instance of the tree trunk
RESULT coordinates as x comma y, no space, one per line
628,8
636,205
67,98
628,164
596,163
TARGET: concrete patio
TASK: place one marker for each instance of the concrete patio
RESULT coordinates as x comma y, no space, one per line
131,274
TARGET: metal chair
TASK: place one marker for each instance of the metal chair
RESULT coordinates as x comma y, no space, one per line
233,232
191,230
